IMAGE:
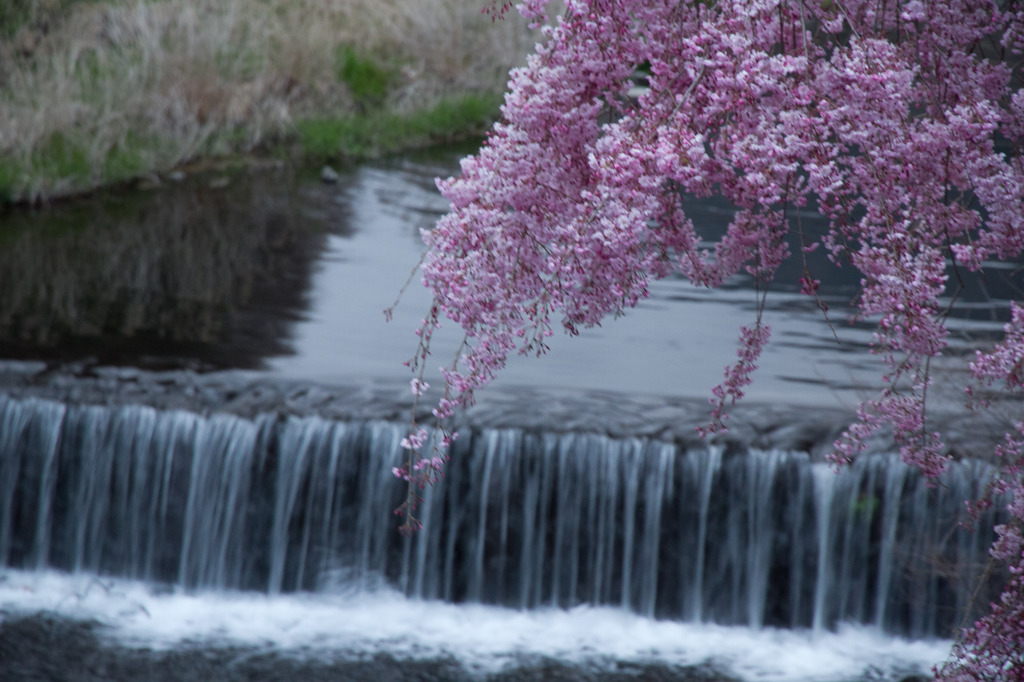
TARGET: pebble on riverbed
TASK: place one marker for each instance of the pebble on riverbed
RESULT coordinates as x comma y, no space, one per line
328,175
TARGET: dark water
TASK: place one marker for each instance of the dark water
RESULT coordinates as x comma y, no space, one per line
197,435
278,272
186,275
47,648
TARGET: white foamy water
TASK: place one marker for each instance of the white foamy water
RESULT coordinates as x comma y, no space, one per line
484,639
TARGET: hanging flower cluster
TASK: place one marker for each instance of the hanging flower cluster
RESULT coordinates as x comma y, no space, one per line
900,121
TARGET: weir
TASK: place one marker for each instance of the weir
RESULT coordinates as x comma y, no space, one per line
524,519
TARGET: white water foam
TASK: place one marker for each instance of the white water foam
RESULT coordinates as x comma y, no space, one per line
484,639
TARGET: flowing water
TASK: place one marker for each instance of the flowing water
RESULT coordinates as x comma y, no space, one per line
203,406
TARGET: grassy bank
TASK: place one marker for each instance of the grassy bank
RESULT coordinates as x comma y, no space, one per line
95,92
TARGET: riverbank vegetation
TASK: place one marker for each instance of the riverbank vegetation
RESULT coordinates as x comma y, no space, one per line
99,92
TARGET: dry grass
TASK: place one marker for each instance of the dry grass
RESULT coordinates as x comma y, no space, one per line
124,87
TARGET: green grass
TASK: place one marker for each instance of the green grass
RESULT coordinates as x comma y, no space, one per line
8,182
63,157
66,160
367,80
376,133
129,158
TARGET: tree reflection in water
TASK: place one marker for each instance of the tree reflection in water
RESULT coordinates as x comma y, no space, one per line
150,278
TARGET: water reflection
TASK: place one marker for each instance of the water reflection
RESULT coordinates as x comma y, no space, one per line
194,273
279,272
979,297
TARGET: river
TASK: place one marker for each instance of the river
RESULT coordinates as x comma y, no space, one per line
201,404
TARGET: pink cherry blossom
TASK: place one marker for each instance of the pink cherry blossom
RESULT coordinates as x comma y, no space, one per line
901,121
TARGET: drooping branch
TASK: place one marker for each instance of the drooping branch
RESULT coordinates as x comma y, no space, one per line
885,116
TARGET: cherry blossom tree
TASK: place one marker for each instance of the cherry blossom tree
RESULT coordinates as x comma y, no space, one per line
900,121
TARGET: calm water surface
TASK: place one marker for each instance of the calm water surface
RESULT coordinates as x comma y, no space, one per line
284,275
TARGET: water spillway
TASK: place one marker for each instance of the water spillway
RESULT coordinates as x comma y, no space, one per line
216,527
523,519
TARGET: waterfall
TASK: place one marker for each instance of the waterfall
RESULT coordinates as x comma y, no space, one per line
523,518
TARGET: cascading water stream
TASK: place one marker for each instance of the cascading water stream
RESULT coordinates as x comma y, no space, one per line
523,519
824,485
